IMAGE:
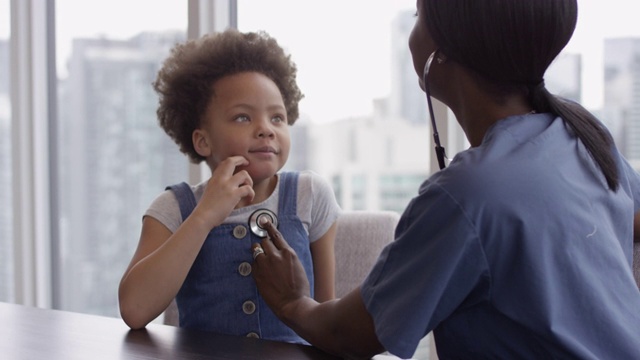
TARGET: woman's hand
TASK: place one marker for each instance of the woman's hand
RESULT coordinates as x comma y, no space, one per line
340,326
278,273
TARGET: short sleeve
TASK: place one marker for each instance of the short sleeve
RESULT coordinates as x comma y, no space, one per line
165,208
317,201
426,273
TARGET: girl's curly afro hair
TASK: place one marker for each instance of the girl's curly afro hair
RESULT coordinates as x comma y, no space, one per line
185,81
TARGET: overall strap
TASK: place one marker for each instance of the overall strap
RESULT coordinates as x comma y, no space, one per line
288,198
186,199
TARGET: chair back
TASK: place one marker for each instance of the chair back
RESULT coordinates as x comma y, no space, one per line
360,237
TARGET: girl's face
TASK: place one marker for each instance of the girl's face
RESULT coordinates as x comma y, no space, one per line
246,116
420,42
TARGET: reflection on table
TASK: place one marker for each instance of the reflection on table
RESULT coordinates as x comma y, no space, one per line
32,333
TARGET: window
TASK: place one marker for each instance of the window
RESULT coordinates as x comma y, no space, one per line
607,41
113,157
6,219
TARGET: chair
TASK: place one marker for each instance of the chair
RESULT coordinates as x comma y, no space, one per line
360,236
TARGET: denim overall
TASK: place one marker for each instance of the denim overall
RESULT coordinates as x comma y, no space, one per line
219,293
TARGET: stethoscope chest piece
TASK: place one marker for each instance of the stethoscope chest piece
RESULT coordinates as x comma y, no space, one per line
258,218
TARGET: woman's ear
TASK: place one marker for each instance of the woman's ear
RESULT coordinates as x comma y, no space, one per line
201,142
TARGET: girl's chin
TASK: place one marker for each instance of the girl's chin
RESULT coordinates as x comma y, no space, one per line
261,174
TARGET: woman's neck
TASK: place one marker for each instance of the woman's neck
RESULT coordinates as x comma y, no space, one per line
476,119
477,110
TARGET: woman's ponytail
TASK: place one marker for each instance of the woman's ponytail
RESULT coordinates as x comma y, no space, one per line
589,130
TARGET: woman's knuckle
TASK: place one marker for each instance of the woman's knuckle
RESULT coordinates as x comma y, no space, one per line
290,253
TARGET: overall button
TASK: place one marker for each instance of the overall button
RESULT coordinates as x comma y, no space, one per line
248,307
244,269
239,232
253,335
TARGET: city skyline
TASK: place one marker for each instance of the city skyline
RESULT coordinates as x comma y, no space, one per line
597,20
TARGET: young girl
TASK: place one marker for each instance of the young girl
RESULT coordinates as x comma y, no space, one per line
228,99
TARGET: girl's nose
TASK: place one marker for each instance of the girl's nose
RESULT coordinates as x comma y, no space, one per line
265,129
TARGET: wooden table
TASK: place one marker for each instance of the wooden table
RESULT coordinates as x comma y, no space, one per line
28,333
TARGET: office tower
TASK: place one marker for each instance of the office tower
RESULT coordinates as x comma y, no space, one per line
114,159
373,162
407,100
622,93
299,155
378,162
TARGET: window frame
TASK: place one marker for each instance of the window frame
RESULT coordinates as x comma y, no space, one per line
30,92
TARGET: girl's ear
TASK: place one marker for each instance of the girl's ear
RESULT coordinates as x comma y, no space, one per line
201,142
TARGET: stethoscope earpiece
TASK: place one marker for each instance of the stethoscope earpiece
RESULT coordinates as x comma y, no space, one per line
258,218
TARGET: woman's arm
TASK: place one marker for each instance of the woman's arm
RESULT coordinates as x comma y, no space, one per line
324,265
342,326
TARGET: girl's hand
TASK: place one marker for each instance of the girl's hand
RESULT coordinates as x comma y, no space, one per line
225,189
278,273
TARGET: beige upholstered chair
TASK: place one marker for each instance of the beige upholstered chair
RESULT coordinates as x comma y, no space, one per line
360,237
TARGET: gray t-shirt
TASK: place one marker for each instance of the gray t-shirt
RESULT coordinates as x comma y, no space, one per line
317,206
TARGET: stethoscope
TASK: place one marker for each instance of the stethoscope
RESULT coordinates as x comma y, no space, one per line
440,153
259,217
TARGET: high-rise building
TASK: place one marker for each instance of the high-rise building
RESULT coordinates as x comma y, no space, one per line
114,159
407,101
377,162
299,155
373,162
622,94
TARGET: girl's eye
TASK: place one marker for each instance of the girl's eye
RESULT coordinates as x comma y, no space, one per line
241,118
278,119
